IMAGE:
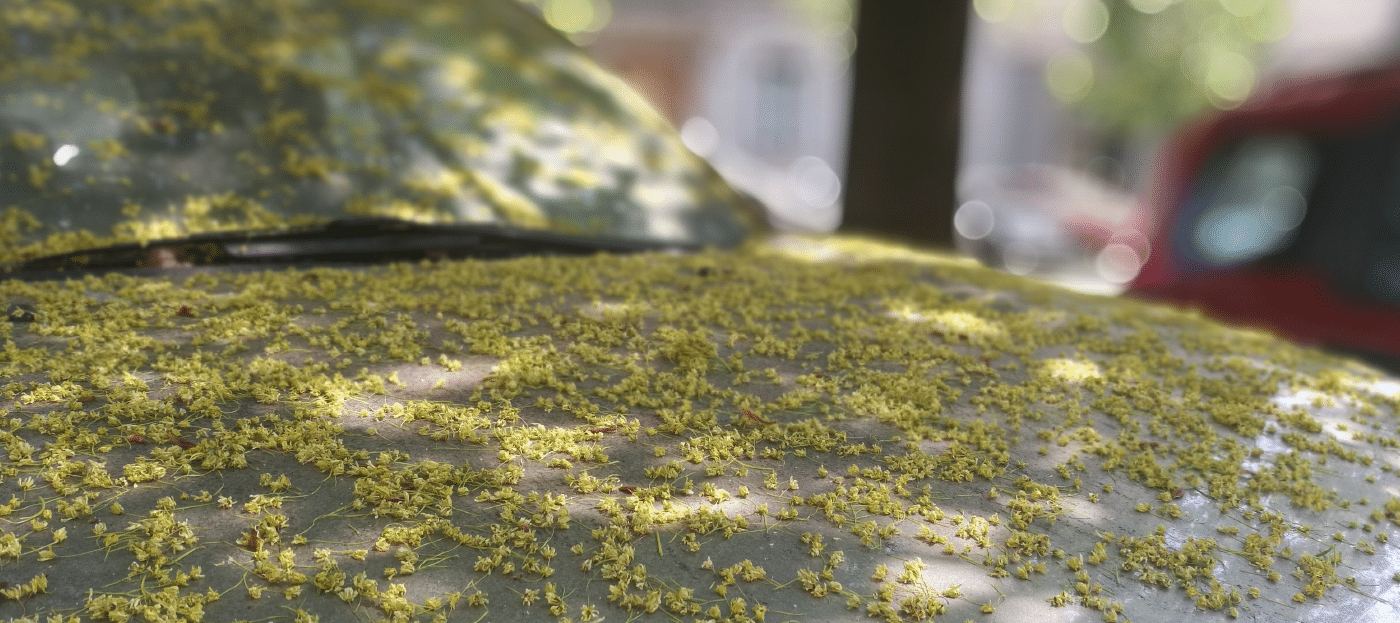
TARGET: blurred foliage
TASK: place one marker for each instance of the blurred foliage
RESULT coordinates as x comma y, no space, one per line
1154,68
1147,64
829,18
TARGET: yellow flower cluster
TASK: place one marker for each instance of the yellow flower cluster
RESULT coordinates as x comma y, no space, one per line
653,436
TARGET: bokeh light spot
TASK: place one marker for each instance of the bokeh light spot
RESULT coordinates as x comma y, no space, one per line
1243,8
700,136
1086,20
1230,77
1150,7
994,10
814,182
1069,75
974,220
1270,24
574,16
1117,263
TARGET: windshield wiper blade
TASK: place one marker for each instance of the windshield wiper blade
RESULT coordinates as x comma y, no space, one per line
353,241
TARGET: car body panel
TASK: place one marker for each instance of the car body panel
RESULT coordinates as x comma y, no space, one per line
811,429
126,121
440,425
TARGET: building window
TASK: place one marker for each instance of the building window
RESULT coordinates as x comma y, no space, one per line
777,105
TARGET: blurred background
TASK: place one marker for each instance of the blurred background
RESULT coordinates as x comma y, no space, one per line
761,88
1065,104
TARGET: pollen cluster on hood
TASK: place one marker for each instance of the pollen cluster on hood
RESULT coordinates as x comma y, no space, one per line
779,433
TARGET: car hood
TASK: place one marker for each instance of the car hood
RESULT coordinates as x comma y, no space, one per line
132,121
804,429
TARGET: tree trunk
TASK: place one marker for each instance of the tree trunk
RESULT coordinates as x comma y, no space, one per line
902,169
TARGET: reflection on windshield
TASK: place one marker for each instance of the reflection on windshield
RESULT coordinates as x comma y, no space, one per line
126,120
1258,203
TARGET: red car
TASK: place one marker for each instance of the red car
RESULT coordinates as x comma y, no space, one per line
1285,214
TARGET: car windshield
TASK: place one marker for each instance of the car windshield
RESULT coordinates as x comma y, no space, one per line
135,120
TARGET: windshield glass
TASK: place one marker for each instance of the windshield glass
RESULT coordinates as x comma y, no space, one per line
137,120
1253,200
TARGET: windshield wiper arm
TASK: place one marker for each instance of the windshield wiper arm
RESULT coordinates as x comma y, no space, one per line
355,241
